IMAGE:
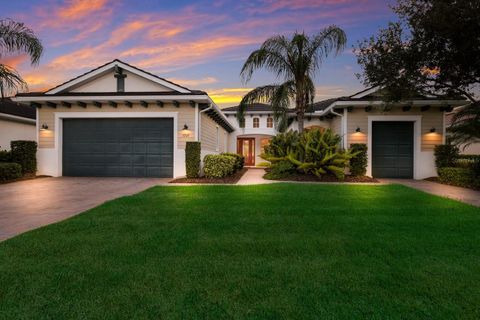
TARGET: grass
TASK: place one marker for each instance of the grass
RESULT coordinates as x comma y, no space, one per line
282,251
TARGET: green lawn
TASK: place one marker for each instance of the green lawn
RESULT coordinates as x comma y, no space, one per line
282,251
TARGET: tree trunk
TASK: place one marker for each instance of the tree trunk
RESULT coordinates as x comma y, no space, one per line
300,118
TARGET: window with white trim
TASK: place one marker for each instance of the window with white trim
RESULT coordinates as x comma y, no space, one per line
269,122
256,122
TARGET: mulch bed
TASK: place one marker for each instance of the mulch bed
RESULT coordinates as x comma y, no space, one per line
328,178
227,180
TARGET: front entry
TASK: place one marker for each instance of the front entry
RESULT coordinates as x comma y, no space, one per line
392,149
246,148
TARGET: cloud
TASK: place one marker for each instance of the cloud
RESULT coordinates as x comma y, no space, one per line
228,96
269,6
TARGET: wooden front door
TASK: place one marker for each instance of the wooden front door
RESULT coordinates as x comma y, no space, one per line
246,147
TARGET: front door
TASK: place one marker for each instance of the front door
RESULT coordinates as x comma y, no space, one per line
246,148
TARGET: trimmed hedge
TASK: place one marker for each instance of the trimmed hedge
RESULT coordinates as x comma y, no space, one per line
25,154
218,166
358,164
462,177
239,159
5,156
10,171
193,159
446,155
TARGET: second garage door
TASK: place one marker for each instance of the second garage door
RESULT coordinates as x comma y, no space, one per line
392,149
118,147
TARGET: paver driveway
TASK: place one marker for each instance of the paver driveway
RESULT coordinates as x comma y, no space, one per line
30,204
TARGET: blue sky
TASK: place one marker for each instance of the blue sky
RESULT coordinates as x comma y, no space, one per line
199,44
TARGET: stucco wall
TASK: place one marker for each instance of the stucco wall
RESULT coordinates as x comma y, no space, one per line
46,115
10,130
432,118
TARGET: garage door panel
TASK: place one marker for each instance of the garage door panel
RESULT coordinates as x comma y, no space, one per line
392,149
118,147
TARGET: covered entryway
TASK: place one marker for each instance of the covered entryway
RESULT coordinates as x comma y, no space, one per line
392,149
126,147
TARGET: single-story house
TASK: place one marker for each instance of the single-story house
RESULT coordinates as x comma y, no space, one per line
400,136
118,120
17,122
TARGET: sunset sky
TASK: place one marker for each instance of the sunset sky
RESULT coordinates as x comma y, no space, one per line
199,44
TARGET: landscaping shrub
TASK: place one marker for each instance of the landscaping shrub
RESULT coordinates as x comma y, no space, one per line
239,160
312,152
193,159
264,164
25,154
218,166
358,164
5,156
462,177
280,169
446,155
10,171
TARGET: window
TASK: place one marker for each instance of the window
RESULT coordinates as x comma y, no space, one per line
269,122
256,122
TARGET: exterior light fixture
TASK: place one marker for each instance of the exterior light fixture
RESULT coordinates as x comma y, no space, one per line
358,129
433,130
185,132
44,127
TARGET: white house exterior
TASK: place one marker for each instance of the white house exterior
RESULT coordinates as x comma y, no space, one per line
400,136
118,120
17,122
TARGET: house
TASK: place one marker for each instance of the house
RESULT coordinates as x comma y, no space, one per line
400,136
118,120
17,122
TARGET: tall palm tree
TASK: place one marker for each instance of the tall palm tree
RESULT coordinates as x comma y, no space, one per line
16,38
296,61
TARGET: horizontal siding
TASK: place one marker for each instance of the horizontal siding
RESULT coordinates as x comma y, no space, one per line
186,115
432,118
209,133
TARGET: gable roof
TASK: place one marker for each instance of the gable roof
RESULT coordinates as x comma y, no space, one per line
110,65
7,106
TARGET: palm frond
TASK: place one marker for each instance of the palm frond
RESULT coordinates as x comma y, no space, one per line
465,128
330,39
262,94
272,56
16,38
10,81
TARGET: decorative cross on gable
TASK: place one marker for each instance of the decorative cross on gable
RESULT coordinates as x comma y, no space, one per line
120,79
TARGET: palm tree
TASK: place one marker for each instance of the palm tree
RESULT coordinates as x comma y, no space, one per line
16,38
465,128
296,61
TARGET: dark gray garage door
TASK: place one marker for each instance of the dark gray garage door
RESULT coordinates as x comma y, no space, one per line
392,149
118,147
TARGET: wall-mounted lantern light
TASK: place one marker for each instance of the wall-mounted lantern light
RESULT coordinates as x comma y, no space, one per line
44,127
358,129
185,132
432,130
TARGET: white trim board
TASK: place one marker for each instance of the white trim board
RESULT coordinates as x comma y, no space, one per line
59,116
417,140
